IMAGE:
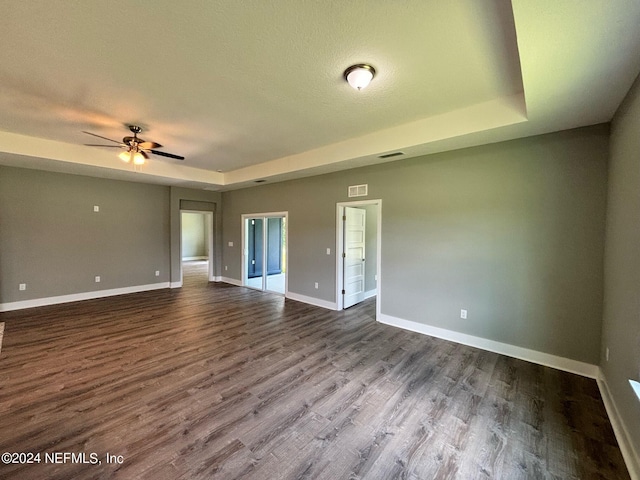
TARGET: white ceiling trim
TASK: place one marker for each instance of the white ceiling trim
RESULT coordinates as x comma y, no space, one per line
461,122
39,148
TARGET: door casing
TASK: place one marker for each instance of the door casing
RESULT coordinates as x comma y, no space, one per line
208,215
245,250
340,250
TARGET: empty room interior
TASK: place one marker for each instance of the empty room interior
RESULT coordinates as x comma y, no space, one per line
320,240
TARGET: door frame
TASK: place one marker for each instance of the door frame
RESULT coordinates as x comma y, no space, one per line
208,215
245,249
340,250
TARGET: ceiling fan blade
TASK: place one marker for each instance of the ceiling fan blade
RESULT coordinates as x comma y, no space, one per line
107,146
100,136
165,154
144,154
149,145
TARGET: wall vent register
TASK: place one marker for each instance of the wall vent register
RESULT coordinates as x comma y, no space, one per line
358,190
390,155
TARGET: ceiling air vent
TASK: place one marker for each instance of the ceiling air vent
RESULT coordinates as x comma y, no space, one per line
358,190
389,155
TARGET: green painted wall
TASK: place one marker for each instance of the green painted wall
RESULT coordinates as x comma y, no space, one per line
53,241
193,235
371,247
211,201
621,325
513,232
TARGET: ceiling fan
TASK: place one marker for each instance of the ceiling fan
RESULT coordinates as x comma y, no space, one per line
136,149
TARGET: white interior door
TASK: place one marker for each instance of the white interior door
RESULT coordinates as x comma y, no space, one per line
354,247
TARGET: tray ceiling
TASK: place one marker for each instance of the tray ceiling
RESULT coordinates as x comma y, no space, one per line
248,90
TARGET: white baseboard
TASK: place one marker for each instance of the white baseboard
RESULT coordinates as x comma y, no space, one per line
75,297
370,293
176,284
217,279
232,281
546,359
189,259
619,428
293,296
312,301
561,363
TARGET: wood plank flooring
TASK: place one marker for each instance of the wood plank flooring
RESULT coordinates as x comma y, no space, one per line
216,381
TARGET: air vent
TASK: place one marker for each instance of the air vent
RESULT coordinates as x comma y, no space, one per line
389,155
358,190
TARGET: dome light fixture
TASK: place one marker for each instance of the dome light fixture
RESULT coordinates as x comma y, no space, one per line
360,75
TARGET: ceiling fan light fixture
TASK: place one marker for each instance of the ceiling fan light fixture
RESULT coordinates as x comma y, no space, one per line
137,150
132,155
125,156
138,158
359,76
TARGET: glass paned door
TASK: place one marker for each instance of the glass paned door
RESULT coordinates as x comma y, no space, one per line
265,253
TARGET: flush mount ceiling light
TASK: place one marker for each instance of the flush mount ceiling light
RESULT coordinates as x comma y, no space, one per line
359,76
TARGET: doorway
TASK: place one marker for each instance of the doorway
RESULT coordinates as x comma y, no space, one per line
358,244
196,245
264,248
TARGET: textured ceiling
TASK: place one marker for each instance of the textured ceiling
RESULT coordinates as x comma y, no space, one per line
254,89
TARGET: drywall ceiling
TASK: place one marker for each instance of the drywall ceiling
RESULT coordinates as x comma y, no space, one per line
254,90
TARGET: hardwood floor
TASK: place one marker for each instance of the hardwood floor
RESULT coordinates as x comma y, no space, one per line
216,381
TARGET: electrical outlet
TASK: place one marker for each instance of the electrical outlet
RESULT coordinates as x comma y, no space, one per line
97,278
316,285
96,208
226,268
22,286
463,313
230,244
157,273
328,251
606,354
